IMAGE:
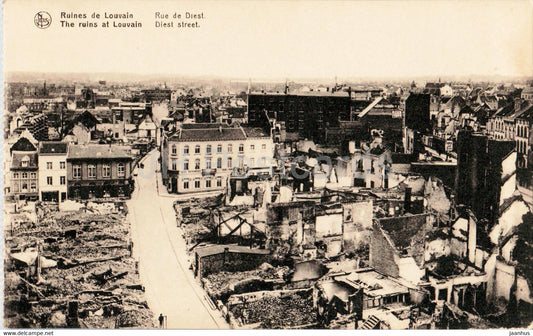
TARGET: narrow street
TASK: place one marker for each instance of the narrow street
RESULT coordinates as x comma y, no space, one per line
163,263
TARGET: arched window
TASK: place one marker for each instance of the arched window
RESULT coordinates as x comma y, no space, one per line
230,162
219,162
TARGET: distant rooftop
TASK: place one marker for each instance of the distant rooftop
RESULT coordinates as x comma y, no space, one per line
305,94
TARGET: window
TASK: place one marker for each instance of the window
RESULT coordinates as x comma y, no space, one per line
208,149
208,183
174,164
252,147
185,184
106,170
121,170
230,162
219,149
263,146
197,149
76,171
15,175
16,187
49,165
241,162
24,186
219,182
62,180
49,180
219,162
186,150
174,150
25,162
252,162
91,171
263,162
197,164
62,165
33,186
197,184
186,165
208,164
24,175
241,148
230,148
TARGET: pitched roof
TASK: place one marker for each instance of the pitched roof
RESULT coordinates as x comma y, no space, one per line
19,157
203,126
53,147
255,132
528,89
24,145
504,111
98,152
87,119
210,134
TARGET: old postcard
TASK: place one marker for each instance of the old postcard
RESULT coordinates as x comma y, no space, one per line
360,165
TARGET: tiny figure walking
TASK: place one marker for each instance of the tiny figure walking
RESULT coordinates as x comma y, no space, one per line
161,320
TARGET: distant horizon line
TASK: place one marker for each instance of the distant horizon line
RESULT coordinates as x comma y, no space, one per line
484,77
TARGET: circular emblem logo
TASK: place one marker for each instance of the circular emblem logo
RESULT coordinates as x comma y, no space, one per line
42,20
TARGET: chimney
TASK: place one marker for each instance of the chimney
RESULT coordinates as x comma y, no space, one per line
472,240
407,200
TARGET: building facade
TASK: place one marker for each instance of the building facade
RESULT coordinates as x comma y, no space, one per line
99,171
308,115
53,171
24,171
201,157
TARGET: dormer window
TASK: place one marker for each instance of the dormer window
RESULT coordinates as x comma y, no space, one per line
25,162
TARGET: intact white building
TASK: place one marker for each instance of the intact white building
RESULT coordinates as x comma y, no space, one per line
53,171
201,157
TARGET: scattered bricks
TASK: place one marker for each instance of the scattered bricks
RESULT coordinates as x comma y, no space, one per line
86,245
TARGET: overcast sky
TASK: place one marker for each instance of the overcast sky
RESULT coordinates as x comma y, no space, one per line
281,39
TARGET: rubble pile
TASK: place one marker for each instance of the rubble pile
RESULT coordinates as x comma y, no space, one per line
93,272
195,217
277,312
221,285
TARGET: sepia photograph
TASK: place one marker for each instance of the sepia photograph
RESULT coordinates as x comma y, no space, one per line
247,165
